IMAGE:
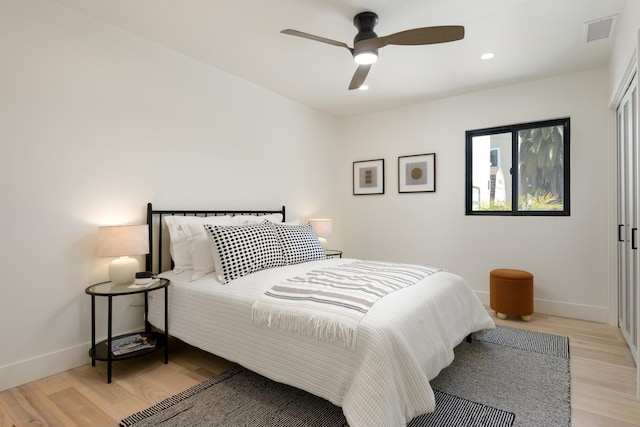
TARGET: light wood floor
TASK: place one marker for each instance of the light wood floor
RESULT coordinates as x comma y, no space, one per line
603,382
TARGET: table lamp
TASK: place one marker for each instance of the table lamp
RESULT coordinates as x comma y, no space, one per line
123,241
322,228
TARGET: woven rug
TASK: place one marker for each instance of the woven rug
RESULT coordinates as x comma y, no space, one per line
506,377
519,371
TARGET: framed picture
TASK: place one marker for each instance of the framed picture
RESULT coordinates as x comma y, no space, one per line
417,174
368,177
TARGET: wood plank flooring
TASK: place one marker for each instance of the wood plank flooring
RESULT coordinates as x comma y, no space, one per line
603,382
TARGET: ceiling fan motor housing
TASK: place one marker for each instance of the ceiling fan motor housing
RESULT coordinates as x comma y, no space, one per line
365,53
364,22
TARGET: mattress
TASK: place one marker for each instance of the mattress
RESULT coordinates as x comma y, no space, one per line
403,341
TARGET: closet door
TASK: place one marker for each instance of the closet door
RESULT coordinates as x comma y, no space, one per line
628,267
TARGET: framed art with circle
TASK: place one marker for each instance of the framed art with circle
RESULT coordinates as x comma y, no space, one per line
417,173
368,177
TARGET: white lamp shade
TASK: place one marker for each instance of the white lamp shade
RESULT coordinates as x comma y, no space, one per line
322,227
121,241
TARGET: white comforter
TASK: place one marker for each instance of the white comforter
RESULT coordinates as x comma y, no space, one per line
403,341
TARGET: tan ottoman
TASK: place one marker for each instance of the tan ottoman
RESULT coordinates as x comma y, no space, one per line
511,292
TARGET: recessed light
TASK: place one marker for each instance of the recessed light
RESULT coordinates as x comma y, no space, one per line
488,55
363,87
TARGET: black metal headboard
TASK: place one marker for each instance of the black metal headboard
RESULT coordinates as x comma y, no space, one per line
158,258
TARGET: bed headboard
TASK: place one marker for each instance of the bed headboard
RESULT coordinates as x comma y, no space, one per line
159,258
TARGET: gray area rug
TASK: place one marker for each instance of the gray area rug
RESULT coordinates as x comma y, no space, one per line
506,377
519,371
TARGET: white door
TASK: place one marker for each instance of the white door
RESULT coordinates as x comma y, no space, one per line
628,185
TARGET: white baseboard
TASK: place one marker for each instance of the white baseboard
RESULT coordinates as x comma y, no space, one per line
28,370
42,366
556,308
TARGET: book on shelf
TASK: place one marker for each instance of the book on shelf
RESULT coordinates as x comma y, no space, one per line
132,343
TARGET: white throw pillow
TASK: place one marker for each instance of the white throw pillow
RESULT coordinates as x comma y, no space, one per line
256,219
202,249
179,244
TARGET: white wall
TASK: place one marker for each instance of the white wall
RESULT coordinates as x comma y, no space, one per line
567,255
624,51
95,123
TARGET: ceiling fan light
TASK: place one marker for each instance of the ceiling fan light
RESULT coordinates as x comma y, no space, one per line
365,58
363,87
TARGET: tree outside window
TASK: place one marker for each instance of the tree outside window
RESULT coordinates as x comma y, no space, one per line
540,181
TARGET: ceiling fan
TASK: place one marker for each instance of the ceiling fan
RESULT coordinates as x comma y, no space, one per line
366,43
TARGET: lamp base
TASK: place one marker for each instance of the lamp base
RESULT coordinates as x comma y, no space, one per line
122,271
323,243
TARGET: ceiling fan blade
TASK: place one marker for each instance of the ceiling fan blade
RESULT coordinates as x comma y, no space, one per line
316,38
359,76
421,36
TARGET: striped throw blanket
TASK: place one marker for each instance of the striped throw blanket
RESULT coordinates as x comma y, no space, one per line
328,304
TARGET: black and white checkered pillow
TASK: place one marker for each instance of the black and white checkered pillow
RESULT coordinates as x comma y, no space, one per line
245,249
299,243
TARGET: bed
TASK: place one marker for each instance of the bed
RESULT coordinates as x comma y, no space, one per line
404,340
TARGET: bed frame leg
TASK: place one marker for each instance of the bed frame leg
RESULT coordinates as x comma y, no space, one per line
469,338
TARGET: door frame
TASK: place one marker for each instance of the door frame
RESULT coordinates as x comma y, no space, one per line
613,194
625,82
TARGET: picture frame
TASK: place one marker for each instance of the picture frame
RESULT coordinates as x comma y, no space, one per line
417,173
368,177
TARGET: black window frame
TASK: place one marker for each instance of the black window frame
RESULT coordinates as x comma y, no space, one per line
514,130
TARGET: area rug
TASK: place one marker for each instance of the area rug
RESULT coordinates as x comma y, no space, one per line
506,377
519,371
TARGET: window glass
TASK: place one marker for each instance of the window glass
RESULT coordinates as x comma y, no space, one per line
539,182
541,169
491,159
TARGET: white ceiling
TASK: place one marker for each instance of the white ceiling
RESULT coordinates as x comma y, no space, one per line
532,39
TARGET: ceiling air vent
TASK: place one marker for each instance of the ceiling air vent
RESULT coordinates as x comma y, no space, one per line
600,28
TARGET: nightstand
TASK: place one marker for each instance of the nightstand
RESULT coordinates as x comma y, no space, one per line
333,253
153,340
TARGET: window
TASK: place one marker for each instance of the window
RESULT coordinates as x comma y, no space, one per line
539,182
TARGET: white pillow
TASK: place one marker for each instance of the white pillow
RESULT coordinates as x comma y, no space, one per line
256,219
245,249
179,244
202,249
294,222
